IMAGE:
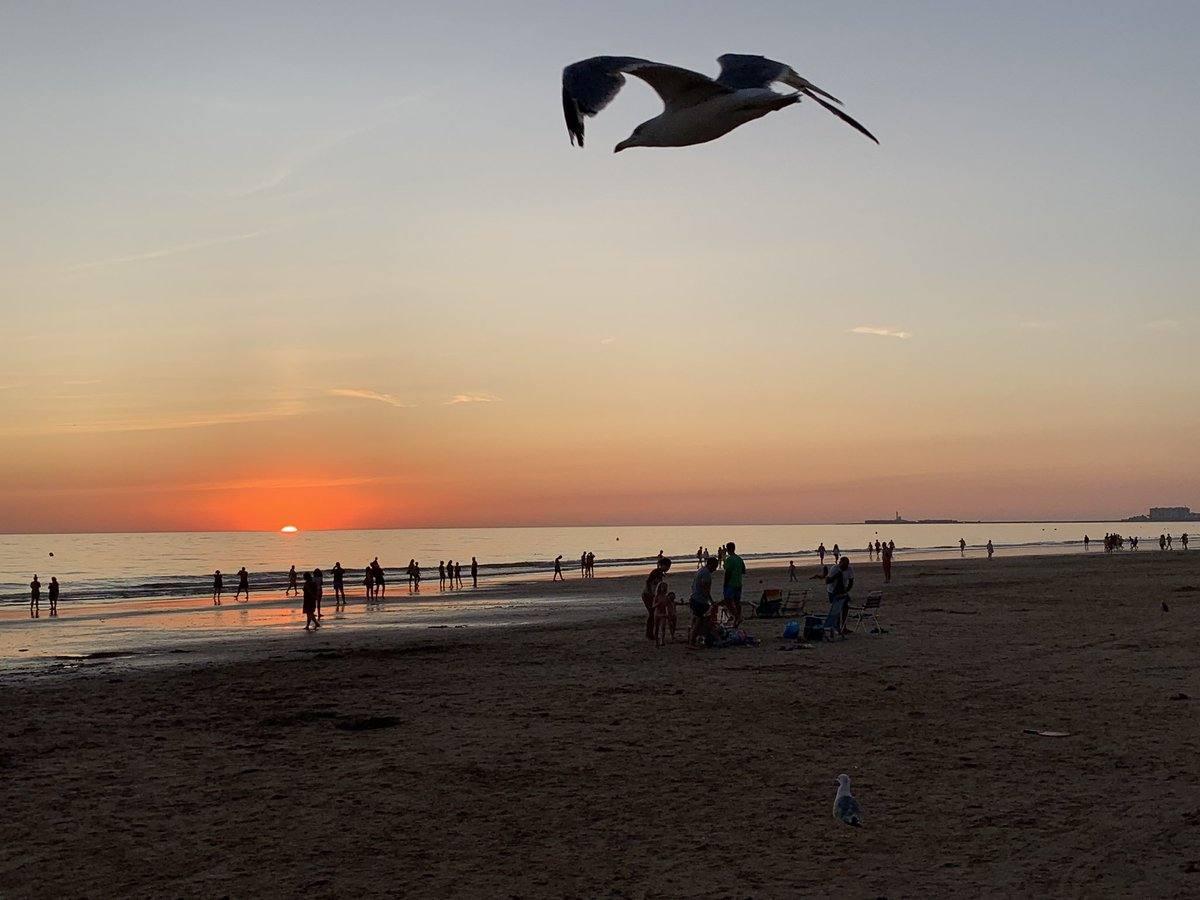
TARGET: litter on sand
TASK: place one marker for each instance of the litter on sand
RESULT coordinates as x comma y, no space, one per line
1047,733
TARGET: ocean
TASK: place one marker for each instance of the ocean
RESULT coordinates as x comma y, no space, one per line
99,567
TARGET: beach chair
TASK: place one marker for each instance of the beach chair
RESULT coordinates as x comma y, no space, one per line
794,604
768,605
868,611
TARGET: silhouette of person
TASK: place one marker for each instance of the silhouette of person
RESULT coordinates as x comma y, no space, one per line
1168,540
1086,542
35,598
990,548
218,587
450,573
380,578
837,552
699,557
291,588
53,596
310,603
962,547
243,584
319,581
558,575
458,574
870,550
1183,539
878,548
792,571
369,582
1162,542
416,570
886,556
474,572
339,586
591,564
656,577
821,553
412,564
441,574
583,564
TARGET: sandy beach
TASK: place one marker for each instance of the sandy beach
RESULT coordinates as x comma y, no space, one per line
563,755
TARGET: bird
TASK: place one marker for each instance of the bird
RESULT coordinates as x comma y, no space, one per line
845,807
696,108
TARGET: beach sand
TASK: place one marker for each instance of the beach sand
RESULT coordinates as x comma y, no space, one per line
567,756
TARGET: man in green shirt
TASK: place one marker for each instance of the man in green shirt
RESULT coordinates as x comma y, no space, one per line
735,571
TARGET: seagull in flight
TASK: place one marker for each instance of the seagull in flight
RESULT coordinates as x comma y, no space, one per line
696,108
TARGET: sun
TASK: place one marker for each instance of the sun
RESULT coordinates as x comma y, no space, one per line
289,529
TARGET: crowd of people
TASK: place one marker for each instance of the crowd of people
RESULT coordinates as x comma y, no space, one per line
1114,542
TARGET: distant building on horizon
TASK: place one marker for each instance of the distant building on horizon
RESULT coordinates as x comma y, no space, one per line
902,521
1167,514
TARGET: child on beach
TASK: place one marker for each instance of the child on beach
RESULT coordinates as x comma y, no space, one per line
664,613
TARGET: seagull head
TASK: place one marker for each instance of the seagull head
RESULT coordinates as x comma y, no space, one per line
843,781
637,139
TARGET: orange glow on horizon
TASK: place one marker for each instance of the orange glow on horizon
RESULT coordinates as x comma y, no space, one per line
289,529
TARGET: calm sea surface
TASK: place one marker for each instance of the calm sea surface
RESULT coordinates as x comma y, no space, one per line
115,566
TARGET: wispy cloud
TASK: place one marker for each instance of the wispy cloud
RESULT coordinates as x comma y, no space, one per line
171,251
1162,325
473,398
881,332
363,394
162,423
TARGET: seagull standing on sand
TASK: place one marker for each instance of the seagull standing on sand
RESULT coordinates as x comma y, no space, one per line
697,109
845,807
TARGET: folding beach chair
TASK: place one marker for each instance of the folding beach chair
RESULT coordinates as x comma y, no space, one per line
794,604
768,605
868,611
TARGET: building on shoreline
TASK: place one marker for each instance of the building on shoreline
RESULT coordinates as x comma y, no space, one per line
1167,514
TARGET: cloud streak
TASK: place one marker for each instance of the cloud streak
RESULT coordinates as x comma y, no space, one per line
881,332
363,394
472,398
170,251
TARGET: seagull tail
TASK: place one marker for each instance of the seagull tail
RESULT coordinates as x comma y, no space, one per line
849,120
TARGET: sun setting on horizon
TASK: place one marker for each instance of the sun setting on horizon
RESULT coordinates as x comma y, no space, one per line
289,529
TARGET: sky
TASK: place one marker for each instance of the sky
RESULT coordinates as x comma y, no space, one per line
338,266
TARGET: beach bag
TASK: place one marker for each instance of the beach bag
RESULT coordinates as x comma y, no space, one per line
814,628
791,631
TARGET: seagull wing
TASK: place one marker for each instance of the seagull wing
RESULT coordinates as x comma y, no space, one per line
591,84
847,810
741,71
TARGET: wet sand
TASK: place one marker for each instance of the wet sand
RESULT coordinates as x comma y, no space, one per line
552,751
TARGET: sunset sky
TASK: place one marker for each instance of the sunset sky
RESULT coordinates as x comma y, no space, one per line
338,266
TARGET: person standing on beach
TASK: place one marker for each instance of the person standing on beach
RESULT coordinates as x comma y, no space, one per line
1168,540
458,574
591,564
735,573
292,587
369,583
870,550
962,547
838,584
53,596
886,556
792,570
878,549
319,581
416,577
450,573
990,548
699,557
821,553
558,575
837,552
218,587
1086,541
310,603
35,597
339,586
474,572
441,574
583,564
721,557
1183,539
1162,542
380,578
700,601
657,576
243,584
